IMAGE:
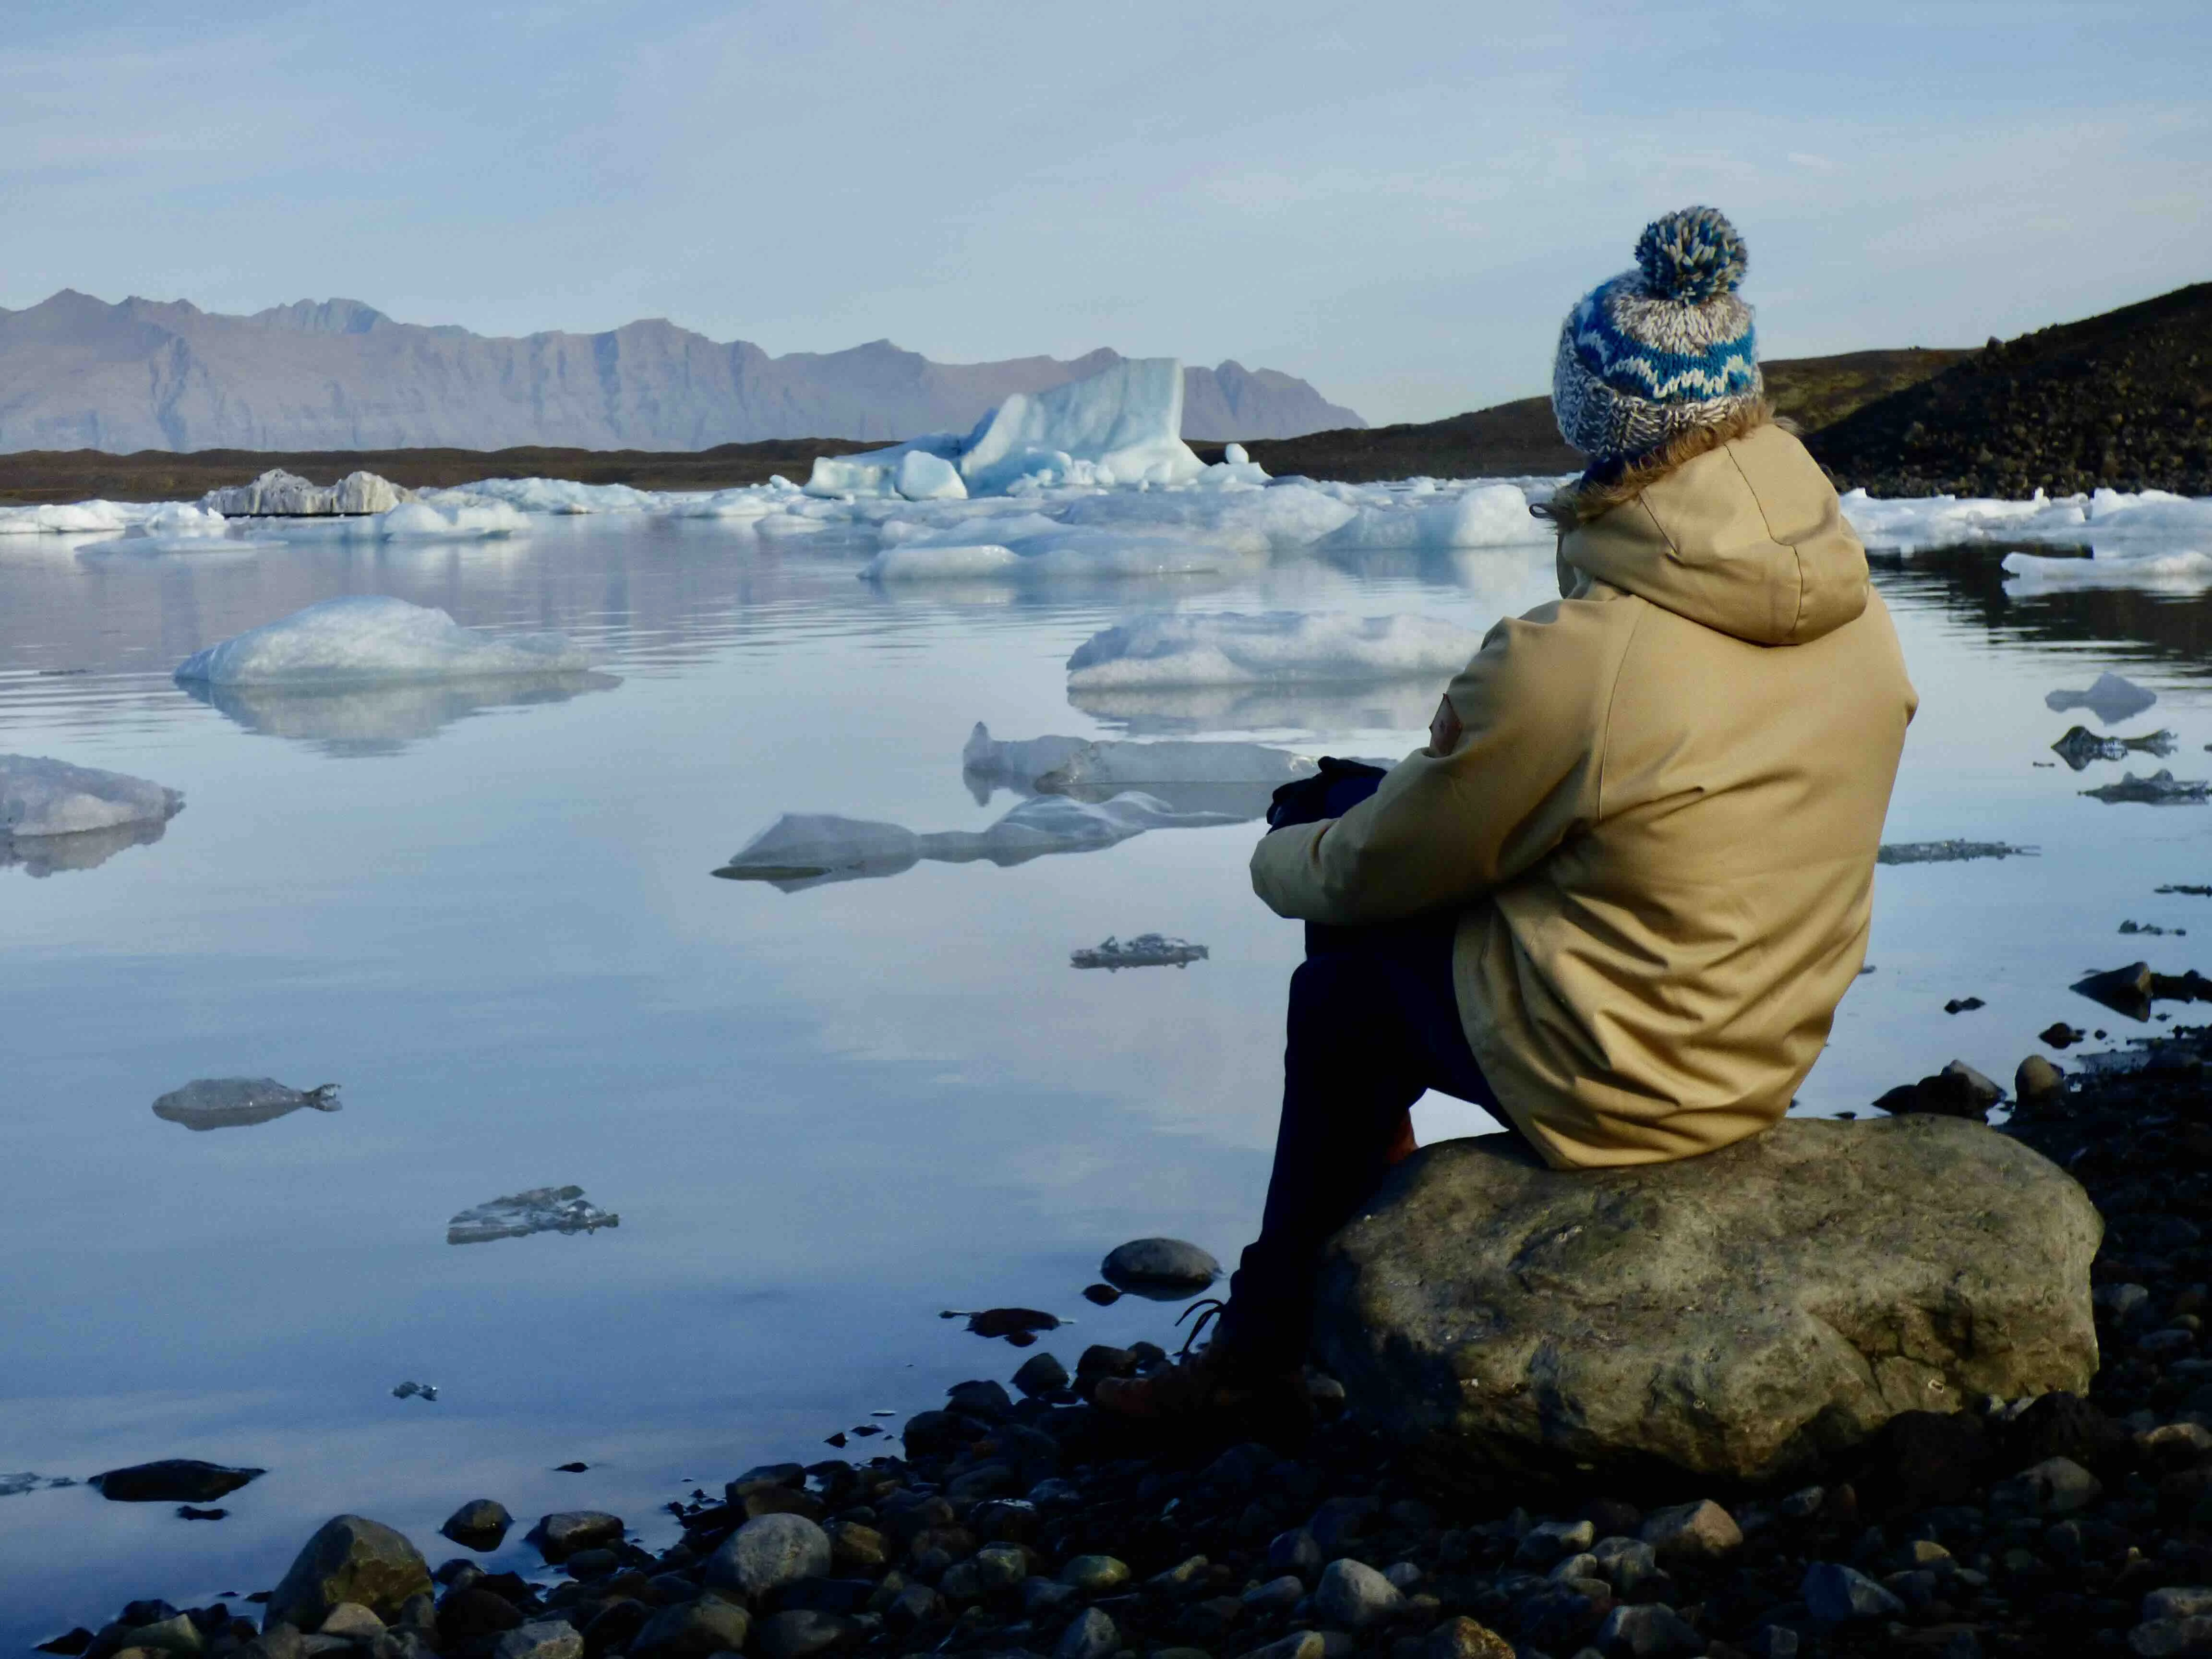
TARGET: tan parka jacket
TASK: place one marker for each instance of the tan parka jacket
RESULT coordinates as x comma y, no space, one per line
1660,821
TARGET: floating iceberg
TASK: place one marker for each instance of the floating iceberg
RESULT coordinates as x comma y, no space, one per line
1016,764
1235,778
1948,852
451,515
1122,426
1910,524
808,849
71,518
372,638
384,719
1145,951
237,1103
2161,788
1170,648
555,496
287,494
2110,698
2178,571
1487,515
41,797
2080,746
540,1210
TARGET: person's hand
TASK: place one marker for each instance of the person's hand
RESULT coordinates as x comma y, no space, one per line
1444,729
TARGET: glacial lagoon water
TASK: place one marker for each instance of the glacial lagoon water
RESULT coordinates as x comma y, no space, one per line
822,1116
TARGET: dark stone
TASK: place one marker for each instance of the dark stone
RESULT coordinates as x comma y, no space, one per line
1148,1266
560,1535
1923,1458
2061,1035
987,1400
1041,1375
2063,1425
70,1643
189,1512
1957,1090
172,1481
479,1524
349,1558
472,1612
1103,1296
1560,1617
1012,1322
570,1468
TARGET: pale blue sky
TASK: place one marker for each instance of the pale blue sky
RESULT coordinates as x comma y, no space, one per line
1398,201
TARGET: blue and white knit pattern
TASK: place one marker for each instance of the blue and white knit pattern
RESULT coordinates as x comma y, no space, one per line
1661,349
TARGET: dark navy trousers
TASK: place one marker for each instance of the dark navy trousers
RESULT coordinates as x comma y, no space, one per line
1374,1024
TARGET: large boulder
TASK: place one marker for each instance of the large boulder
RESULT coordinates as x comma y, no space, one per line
1736,1315
349,1558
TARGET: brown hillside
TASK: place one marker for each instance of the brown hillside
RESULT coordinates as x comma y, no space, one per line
2123,400
1519,437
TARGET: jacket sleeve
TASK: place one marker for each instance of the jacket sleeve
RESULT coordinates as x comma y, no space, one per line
1443,829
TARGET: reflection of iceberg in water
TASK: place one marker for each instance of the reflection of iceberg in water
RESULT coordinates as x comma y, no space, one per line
382,719
238,1102
86,849
811,849
1237,779
1166,711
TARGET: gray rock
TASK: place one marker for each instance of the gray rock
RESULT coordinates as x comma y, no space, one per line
176,1634
1276,1596
1095,1575
2057,1486
997,1566
2165,1639
1043,1597
1303,1645
767,1552
1734,1315
1560,1618
1466,1638
1702,1531
479,1524
1294,1552
353,1621
1041,1375
237,1103
694,1629
564,1534
171,1481
349,1558
1089,1635
1159,1264
1354,1595
801,1634
1625,1562
1652,1631
544,1638
1837,1594
1549,1541
2176,1601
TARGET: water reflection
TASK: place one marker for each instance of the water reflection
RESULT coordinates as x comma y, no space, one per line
1181,710
383,719
81,849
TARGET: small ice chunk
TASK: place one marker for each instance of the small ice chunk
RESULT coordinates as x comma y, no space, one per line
2080,746
1236,454
1481,515
2110,698
411,1389
2176,570
1145,951
235,1103
1168,648
69,518
551,495
804,849
922,476
451,515
1098,765
1948,852
44,797
2161,788
539,1210
367,639
1019,762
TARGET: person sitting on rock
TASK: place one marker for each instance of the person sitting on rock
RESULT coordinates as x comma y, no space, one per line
1616,899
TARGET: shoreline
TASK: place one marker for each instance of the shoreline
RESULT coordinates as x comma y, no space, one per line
1018,1519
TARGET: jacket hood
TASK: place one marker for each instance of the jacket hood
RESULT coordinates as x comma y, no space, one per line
1748,539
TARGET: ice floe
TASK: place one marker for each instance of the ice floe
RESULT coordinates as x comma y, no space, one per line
23,1480
1145,951
539,1210
355,720
236,1102
371,638
1237,779
73,518
2177,570
46,799
2161,788
2110,698
287,494
1485,515
1948,852
808,849
1910,524
2080,747
450,516
1177,648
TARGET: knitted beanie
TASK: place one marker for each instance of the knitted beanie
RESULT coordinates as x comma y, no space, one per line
1661,349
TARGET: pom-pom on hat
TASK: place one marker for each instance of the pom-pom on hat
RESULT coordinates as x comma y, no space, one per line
1662,347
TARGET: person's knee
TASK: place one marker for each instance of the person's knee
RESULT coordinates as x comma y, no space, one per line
1332,987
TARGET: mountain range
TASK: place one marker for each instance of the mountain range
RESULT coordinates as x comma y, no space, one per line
78,373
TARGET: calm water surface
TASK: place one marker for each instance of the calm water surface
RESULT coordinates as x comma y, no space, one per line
823,1115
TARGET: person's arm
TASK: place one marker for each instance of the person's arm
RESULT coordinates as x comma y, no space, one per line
1521,773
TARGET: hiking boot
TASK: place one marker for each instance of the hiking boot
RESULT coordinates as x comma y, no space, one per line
1214,1386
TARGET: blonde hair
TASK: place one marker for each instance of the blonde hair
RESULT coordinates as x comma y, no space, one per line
1600,489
